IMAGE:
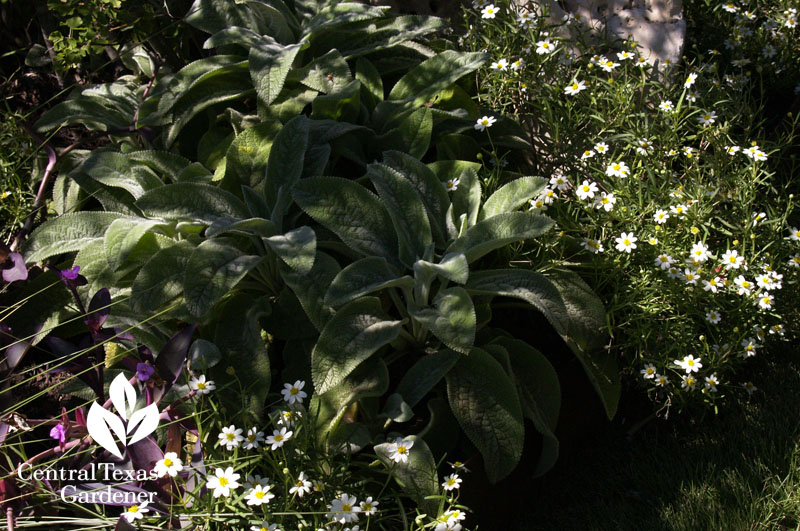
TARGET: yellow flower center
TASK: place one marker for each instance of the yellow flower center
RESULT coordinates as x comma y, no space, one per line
201,385
133,509
278,438
574,86
366,507
251,437
626,241
402,450
229,436
294,391
690,363
346,508
223,482
259,494
167,461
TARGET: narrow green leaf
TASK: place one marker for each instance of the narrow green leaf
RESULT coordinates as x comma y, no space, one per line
428,186
362,277
297,248
512,196
213,269
354,334
269,66
422,83
286,158
255,226
485,403
406,209
452,319
498,231
453,266
466,199
67,233
423,376
350,211
370,79
192,201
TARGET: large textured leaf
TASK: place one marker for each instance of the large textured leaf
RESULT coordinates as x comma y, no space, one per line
83,111
297,248
418,475
363,277
192,201
67,233
161,278
425,374
539,394
174,87
213,269
310,287
451,319
529,286
498,231
370,379
122,237
246,158
269,65
406,209
341,13
512,196
422,83
167,164
324,74
213,16
342,105
428,186
238,336
354,334
233,35
228,83
412,134
352,212
485,403
585,336
286,158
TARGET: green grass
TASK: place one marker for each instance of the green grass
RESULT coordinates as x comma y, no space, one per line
738,470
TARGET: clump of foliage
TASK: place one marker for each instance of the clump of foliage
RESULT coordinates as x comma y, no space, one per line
670,186
308,195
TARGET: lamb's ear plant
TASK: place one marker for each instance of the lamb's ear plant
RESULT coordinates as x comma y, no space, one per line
416,293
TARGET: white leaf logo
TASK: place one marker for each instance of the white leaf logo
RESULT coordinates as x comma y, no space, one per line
103,425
